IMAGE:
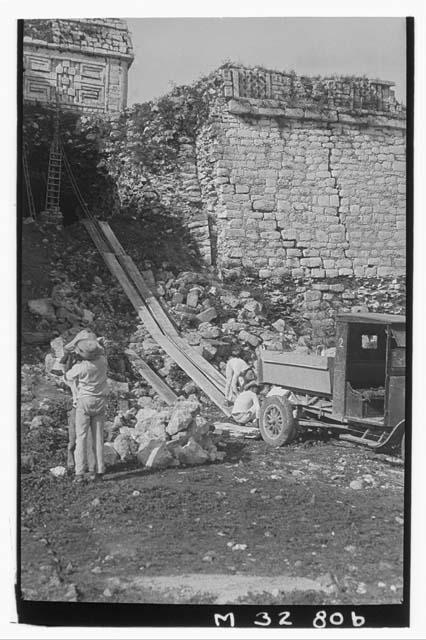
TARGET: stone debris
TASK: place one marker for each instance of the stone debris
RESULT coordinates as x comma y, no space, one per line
125,446
58,472
182,416
111,457
155,455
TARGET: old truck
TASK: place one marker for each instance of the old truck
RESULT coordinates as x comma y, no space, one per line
358,394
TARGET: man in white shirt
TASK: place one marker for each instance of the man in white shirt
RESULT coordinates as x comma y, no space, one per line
246,406
90,374
236,370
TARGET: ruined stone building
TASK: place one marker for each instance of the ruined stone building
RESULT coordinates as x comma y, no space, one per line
83,62
284,175
309,175
270,174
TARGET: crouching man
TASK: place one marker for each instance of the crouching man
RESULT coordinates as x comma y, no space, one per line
90,376
246,406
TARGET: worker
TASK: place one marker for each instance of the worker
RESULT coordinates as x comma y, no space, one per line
72,359
246,406
67,361
90,375
236,370
84,334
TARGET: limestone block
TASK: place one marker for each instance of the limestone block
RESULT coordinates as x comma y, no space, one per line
385,271
398,166
318,273
293,113
263,205
312,295
264,273
270,235
207,315
311,262
111,456
193,296
155,455
242,188
323,201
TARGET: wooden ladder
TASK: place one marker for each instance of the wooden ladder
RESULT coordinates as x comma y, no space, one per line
54,179
54,171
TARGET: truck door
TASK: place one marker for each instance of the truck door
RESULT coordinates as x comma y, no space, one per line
395,383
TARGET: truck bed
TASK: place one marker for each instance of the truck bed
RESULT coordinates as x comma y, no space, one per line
311,374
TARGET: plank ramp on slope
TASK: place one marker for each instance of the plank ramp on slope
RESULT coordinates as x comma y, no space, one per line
199,376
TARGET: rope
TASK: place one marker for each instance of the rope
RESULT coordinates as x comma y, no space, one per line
74,184
30,197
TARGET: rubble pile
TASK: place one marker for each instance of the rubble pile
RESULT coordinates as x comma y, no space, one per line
159,436
213,319
149,433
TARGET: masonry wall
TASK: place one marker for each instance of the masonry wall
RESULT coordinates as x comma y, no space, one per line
83,63
309,197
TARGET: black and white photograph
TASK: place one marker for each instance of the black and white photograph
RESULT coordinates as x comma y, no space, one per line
215,222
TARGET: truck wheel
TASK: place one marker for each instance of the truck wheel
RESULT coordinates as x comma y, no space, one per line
276,421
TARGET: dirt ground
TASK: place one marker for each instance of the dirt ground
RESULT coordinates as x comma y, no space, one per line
272,526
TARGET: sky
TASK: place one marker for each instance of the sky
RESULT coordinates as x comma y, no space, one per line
171,51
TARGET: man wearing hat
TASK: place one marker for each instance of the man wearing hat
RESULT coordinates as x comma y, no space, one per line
69,359
90,375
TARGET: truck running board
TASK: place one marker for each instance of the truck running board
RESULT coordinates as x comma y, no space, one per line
385,442
366,441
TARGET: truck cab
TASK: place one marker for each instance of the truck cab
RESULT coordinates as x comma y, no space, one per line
369,368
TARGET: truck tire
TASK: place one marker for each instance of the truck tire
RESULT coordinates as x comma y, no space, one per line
276,421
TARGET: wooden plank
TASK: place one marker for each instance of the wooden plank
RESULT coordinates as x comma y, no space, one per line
163,320
213,374
237,430
152,378
112,238
167,326
200,379
122,278
162,340
91,229
134,297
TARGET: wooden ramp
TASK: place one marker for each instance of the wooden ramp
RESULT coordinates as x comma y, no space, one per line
151,377
163,320
156,320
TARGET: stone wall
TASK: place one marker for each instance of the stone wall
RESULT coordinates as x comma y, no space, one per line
82,62
311,191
